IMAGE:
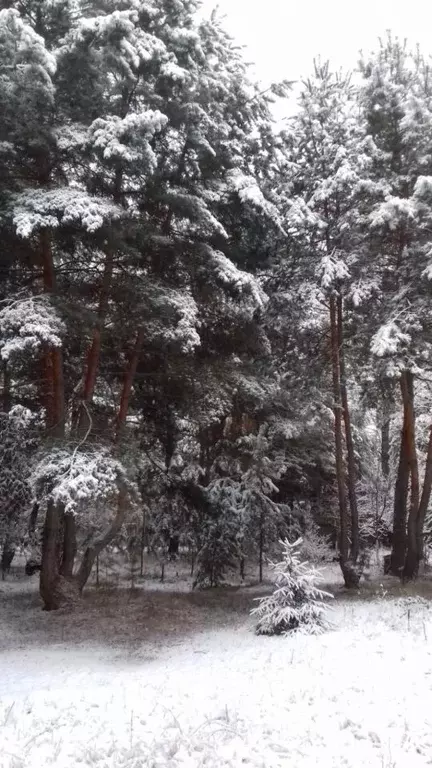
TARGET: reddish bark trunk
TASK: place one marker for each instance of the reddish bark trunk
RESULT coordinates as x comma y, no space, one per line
412,557
94,350
397,557
53,357
127,384
425,498
50,579
101,542
337,410
69,546
355,534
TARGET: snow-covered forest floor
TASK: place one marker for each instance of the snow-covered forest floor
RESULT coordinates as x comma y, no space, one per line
165,678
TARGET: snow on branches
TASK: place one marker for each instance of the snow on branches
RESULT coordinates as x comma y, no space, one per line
21,46
37,208
242,282
79,478
28,324
249,192
296,603
128,139
332,270
389,340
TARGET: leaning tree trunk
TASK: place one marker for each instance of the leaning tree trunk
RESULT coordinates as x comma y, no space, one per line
412,557
348,572
355,532
100,543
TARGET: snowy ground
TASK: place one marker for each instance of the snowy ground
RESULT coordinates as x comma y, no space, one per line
99,690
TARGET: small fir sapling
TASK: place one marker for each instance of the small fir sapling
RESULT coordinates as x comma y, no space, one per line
296,602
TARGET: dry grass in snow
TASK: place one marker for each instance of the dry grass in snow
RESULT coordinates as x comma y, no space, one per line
77,691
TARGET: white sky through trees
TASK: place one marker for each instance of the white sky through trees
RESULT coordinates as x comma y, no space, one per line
283,36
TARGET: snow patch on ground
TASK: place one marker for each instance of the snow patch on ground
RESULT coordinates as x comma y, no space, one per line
357,696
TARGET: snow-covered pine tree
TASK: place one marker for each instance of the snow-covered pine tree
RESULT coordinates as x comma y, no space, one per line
396,98
326,156
131,122
18,439
296,602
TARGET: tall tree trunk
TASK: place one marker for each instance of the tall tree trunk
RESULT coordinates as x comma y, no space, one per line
127,384
385,447
8,554
55,590
54,356
69,546
94,350
412,557
397,557
261,547
355,533
386,402
340,475
50,579
425,498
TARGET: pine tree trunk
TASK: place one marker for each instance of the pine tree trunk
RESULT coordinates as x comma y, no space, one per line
355,533
385,447
397,557
127,384
425,498
8,554
347,570
56,591
69,546
412,557
94,350
93,551
53,591
261,547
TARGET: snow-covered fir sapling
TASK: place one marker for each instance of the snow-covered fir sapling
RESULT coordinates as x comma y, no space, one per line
296,602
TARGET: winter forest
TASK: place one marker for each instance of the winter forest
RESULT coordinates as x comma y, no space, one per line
215,366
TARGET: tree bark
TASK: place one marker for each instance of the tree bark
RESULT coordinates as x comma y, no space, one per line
8,554
351,475
348,572
385,447
55,590
127,384
53,356
412,557
425,498
69,546
397,557
93,551
51,590
94,350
